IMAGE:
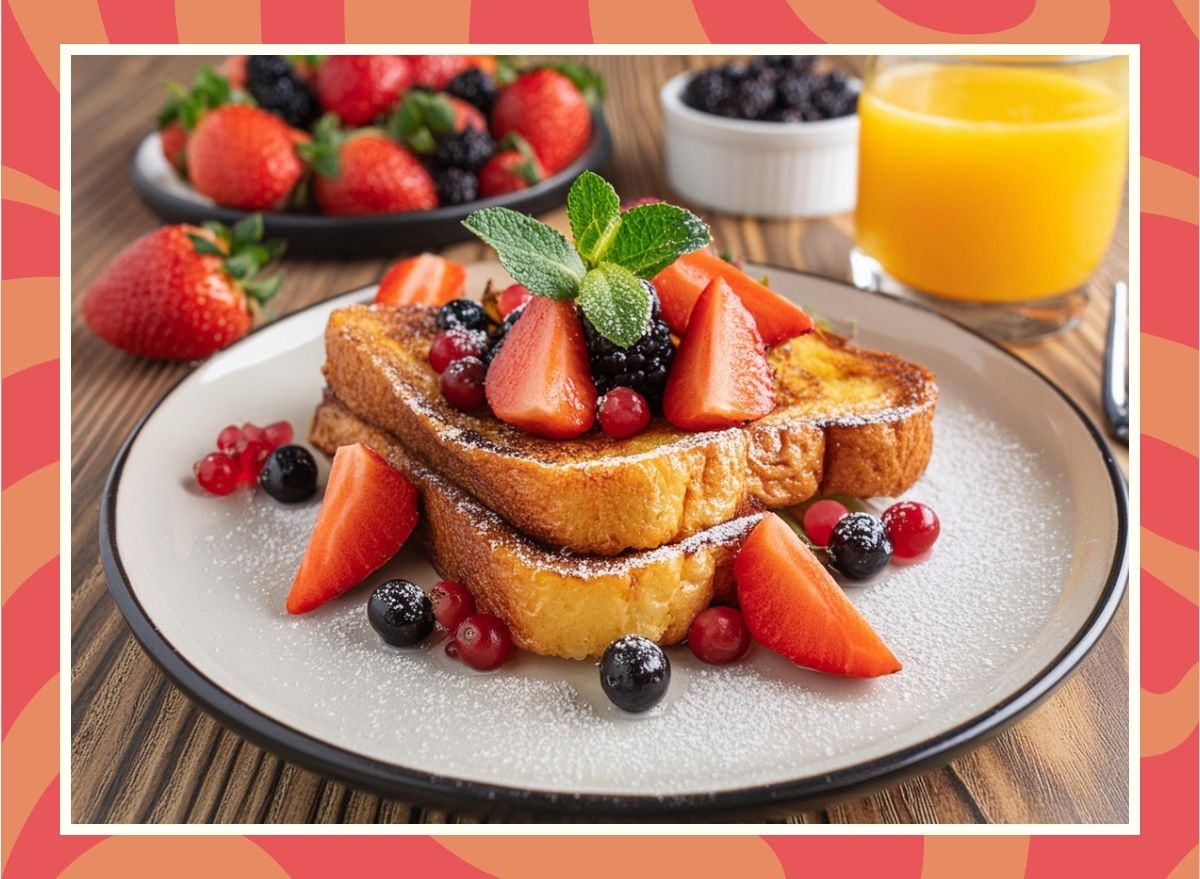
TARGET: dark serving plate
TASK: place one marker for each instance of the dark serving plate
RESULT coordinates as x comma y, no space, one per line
317,235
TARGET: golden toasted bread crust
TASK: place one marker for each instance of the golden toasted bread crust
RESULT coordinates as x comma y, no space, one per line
847,420
555,604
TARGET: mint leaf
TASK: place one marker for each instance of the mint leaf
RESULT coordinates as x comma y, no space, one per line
534,254
594,210
616,303
652,236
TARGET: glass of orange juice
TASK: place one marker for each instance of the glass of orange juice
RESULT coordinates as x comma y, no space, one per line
991,185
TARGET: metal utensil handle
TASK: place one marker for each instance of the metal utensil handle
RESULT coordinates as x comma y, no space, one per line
1115,381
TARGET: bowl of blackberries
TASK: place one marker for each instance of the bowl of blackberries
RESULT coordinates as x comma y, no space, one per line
370,154
775,136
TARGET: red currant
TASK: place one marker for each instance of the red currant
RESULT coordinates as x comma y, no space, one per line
512,298
253,433
454,345
623,412
911,527
278,434
229,438
719,635
820,518
250,459
452,604
463,383
483,641
216,473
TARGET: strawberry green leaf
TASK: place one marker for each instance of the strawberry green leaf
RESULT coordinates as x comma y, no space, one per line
594,210
588,81
534,254
265,289
322,152
507,69
616,303
205,245
248,230
423,119
653,236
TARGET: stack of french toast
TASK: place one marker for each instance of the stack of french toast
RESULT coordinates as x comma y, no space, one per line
576,542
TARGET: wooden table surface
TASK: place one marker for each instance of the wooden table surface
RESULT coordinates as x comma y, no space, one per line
142,752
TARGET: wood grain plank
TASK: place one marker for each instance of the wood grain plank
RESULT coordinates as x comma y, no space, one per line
142,752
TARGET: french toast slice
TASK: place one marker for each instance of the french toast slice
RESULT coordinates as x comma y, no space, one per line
847,420
555,604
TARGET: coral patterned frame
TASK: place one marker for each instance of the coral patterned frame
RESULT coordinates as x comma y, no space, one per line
34,30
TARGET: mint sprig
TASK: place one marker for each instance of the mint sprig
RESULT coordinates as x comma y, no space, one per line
613,252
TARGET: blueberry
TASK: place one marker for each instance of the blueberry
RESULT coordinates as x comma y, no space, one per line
634,673
859,546
289,474
401,613
462,314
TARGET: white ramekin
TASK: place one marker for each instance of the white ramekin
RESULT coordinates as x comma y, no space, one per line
759,169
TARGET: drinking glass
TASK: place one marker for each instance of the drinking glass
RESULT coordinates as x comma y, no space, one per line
990,186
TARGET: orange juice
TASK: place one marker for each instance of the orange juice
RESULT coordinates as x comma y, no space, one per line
990,182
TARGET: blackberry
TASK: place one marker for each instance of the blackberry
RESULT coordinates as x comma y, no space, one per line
276,86
455,186
475,87
754,97
759,68
462,314
710,91
787,114
832,95
792,63
641,367
500,335
468,149
794,91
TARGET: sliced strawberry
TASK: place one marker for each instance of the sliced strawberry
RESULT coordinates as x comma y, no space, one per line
720,377
680,284
793,606
426,279
540,381
368,512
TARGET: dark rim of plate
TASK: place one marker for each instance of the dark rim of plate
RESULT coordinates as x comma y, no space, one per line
426,788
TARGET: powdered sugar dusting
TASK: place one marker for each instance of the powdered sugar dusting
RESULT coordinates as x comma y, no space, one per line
954,619
969,622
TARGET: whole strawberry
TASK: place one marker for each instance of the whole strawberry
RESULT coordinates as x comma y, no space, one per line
244,157
185,107
183,292
366,172
547,109
360,87
435,71
173,137
514,167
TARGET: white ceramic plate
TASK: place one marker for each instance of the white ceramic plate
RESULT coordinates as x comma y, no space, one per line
1028,571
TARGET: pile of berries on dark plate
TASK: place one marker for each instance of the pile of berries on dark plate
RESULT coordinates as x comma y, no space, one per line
371,134
773,88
